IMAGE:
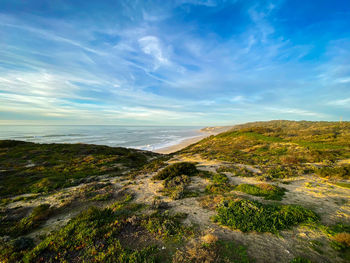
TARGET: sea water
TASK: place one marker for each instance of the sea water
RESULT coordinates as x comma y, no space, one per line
140,137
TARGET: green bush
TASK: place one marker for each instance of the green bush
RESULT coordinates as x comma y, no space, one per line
175,186
236,170
334,172
216,251
168,227
34,220
268,191
281,172
247,215
14,250
176,169
220,184
220,179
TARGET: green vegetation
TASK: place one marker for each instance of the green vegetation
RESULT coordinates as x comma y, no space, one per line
220,184
342,172
150,167
14,250
342,184
176,169
300,260
167,227
268,191
34,168
280,148
248,215
176,178
340,239
212,250
125,231
175,187
101,197
236,171
16,228
104,235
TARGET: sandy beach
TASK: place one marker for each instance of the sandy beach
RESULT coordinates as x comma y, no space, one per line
205,132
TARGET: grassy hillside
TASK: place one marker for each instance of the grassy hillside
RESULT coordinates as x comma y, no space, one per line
40,168
281,147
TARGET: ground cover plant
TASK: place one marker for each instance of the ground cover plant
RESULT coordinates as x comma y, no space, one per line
285,144
342,172
14,227
236,171
167,227
211,250
247,215
220,184
175,187
176,179
176,169
268,191
340,238
34,168
118,233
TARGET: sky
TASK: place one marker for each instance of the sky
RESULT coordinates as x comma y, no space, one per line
180,62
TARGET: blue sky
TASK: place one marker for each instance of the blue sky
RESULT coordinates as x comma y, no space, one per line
181,62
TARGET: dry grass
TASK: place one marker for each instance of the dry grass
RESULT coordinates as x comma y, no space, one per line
196,253
209,238
343,238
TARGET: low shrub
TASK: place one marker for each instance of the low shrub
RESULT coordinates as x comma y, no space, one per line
236,170
247,215
168,227
343,184
212,252
101,197
175,187
218,188
281,172
103,235
340,238
153,166
176,169
334,172
35,219
268,191
220,179
220,184
343,239
13,251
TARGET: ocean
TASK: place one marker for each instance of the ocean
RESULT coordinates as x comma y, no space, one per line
139,137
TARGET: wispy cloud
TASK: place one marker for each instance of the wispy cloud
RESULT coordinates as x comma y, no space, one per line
179,62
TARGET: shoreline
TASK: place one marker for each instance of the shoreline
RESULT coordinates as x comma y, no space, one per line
205,132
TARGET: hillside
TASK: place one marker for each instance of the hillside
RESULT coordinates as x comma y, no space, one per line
261,192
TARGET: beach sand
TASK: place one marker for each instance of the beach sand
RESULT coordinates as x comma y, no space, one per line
205,132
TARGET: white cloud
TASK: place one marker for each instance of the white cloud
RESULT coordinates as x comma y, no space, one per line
343,103
150,45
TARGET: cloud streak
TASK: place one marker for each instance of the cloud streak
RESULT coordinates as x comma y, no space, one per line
180,62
